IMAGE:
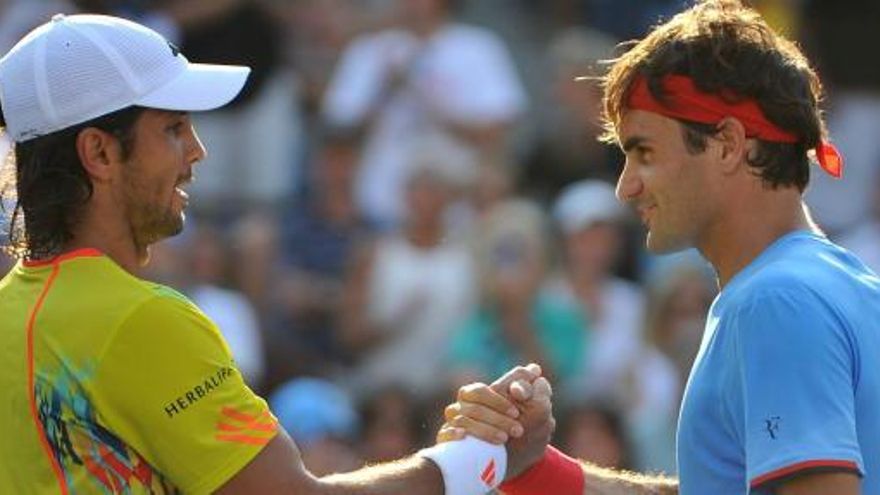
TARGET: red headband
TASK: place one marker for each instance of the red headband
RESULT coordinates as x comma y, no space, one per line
686,102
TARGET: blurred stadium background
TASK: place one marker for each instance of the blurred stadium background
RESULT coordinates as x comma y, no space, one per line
409,195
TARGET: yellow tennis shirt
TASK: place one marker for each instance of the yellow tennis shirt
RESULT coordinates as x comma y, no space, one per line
111,384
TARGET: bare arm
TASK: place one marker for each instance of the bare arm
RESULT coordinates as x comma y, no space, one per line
278,468
821,484
601,481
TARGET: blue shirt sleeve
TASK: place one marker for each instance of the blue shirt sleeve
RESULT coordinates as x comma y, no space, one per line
797,367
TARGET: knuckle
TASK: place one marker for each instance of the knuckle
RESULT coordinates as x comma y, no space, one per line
468,391
459,422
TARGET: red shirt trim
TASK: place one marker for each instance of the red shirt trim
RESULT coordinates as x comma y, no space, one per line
800,466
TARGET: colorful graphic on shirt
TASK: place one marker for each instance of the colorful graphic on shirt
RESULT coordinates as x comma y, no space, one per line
77,440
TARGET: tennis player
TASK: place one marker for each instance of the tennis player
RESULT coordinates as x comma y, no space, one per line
110,383
718,116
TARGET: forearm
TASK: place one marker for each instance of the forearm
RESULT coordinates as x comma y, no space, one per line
414,475
601,481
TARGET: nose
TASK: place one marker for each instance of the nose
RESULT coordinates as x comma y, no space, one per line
196,151
629,185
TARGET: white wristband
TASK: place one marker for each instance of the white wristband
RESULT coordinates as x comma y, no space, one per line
469,466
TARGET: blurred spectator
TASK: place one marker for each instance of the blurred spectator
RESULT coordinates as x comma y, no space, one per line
391,426
17,17
324,422
316,32
676,313
319,235
7,171
429,75
408,291
833,32
517,322
628,19
229,309
255,245
590,219
596,433
864,240
567,148
167,263
678,299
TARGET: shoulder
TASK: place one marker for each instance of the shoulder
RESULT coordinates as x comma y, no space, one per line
818,272
166,315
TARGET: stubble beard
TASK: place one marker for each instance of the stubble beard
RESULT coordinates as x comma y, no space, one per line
149,222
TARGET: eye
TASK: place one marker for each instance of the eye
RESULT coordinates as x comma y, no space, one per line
175,127
644,154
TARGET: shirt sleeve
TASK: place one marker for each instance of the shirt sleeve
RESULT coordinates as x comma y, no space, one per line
797,370
167,385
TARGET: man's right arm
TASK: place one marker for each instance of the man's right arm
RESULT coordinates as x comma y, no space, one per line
278,468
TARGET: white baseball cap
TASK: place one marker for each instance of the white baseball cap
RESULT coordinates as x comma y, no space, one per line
76,68
586,202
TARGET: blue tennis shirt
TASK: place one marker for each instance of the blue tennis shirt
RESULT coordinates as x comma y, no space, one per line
787,378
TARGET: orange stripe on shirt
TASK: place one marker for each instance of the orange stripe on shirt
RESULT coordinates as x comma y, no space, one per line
32,395
241,438
238,416
266,427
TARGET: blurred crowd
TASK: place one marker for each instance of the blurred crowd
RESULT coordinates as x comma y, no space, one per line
409,195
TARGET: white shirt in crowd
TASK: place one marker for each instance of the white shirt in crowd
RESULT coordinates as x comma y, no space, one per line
461,73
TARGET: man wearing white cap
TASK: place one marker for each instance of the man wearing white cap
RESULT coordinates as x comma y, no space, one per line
109,383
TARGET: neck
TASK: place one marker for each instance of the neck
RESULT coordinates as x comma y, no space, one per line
108,234
750,228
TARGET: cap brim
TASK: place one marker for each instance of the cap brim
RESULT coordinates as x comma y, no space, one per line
200,87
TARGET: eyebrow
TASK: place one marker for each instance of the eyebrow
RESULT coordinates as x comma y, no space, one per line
173,114
632,142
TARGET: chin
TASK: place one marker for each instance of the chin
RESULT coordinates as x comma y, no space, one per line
659,244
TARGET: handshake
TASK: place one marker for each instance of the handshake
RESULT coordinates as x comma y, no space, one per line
502,432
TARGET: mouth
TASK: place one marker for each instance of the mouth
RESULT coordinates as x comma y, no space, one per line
645,214
181,193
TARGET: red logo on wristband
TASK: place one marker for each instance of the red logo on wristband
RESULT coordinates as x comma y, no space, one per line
488,475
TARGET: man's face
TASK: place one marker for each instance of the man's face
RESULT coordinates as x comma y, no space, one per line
673,190
165,149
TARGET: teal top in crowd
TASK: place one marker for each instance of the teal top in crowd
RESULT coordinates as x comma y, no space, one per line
562,331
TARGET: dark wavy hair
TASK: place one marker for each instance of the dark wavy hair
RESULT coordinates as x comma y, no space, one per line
726,47
49,186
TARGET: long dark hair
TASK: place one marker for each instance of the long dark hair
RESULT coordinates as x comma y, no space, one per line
49,185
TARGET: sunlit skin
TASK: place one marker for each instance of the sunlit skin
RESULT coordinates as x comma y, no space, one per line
137,200
674,191
711,200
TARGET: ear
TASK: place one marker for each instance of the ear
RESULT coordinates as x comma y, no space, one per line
735,145
98,152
